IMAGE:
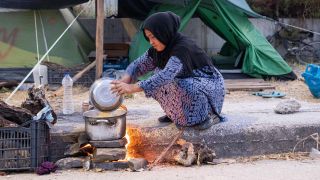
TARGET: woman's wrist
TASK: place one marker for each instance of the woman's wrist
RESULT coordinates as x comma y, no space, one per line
126,78
136,88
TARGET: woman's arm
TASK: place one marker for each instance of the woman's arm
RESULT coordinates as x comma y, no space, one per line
166,75
139,67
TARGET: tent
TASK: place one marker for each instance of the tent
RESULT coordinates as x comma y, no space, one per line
19,37
229,19
39,4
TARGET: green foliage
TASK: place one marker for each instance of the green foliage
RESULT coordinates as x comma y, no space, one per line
287,8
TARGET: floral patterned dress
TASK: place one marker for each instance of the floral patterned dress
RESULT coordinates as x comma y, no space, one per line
187,101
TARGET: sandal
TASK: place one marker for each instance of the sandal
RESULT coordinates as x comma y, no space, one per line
273,94
164,119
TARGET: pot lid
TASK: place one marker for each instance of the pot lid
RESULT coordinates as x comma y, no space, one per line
102,97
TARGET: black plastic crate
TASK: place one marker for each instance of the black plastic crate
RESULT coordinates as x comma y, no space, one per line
55,76
24,148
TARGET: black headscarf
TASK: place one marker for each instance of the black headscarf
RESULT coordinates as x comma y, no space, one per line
164,26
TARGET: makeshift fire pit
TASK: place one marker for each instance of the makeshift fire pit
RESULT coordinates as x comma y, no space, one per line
103,144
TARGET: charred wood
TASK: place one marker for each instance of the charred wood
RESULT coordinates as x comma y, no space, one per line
36,101
8,84
14,114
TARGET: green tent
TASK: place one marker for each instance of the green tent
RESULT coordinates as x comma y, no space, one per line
229,19
18,47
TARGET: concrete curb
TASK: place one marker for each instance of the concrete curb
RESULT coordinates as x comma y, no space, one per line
239,136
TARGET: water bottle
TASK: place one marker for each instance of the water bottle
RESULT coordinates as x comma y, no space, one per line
67,83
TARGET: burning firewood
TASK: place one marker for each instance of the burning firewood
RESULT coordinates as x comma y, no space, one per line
81,148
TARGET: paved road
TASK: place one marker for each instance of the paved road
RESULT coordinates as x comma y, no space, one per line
260,170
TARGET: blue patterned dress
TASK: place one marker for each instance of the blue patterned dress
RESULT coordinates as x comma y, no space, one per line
187,101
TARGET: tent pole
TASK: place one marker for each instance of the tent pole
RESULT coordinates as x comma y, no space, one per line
99,37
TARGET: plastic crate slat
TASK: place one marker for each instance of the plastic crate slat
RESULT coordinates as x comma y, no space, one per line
24,148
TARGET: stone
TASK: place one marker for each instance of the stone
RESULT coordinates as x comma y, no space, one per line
136,164
87,163
186,156
109,154
287,107
222,161
111,165
110,144
83,139
314,153
72,150
70,162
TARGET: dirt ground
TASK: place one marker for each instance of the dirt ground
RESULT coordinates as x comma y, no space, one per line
294,89
301,168
262,170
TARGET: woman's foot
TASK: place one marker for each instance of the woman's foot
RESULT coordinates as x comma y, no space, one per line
163,119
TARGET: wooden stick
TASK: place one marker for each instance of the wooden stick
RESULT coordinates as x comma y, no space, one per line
164,152
99,37
76,77
86,69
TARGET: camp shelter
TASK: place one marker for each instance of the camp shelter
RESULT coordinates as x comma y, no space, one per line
39,4
23,31
245,46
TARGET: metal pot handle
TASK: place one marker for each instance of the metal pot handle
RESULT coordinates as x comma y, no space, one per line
108,122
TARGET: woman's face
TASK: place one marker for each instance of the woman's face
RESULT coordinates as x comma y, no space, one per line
155,43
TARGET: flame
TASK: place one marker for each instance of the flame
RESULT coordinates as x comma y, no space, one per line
133,137
127,146
128,139
88,149
86,146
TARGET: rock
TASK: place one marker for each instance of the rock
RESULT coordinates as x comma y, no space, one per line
314,153
87,163
222,161
109,154
72,150
110,144
186,156
287,107
205,154
71,162
83,139
111,165
136,164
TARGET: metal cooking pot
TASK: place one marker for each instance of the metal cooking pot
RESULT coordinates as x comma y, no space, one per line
103,126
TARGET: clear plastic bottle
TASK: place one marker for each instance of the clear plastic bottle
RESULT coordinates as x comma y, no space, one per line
67,83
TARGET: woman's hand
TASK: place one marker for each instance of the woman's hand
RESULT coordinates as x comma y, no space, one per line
121,88
125,78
